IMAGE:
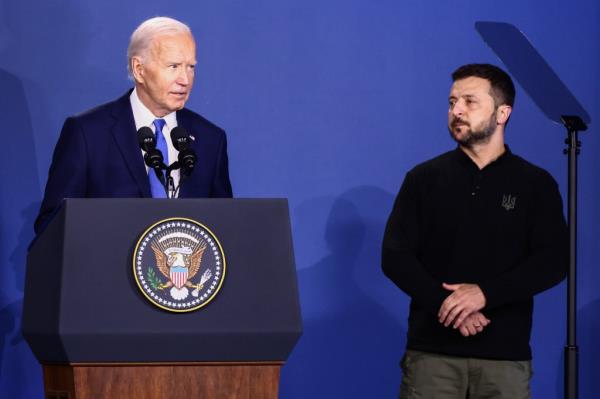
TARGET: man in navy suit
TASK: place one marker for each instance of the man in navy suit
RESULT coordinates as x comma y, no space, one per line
98,155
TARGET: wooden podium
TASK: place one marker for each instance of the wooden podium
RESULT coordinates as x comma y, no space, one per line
159,381
97,336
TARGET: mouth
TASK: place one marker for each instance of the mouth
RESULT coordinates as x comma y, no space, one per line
458,123
459,127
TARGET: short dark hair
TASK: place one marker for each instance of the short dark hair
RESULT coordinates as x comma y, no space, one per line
503,88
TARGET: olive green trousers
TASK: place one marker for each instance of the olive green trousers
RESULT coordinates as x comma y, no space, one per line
433,376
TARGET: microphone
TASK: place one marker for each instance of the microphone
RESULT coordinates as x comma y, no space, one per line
146,138
187,156
153,157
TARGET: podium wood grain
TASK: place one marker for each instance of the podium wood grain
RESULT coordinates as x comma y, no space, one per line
164,381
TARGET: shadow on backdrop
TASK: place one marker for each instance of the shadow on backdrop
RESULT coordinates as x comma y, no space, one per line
588,324
20,372
20,375
10,309
589,348
350,347
49,49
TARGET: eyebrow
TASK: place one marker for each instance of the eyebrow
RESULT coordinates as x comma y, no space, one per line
180,62
469,96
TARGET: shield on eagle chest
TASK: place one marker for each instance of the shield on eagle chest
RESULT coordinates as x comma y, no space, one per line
179,276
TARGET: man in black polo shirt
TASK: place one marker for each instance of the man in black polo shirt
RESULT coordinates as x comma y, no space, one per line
474,234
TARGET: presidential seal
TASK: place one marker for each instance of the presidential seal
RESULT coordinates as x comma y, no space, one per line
179,265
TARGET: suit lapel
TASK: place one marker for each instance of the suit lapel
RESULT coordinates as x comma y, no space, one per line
124,133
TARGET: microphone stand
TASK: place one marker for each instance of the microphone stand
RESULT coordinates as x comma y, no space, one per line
170,184
573,124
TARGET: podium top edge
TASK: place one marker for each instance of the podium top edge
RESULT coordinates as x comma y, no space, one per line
177,199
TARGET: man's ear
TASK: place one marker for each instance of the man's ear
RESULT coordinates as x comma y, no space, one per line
137,69
503,113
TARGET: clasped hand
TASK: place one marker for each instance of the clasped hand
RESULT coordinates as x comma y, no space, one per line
462,309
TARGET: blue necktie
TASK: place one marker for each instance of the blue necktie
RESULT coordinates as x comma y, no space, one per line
157,189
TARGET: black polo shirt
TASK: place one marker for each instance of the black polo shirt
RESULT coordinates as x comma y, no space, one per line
501,227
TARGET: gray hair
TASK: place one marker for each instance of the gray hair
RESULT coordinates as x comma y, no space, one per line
142,37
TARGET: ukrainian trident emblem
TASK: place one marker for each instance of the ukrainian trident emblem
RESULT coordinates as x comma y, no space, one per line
174,257
508,202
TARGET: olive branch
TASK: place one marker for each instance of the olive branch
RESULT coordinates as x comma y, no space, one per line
153,279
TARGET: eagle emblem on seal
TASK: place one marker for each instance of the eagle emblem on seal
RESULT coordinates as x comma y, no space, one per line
180,264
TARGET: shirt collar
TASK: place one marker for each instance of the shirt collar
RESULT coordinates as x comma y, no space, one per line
144,117
465,160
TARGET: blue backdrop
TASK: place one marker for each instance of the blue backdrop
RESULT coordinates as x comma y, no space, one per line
327,103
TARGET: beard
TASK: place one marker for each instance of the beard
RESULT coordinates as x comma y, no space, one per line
479,135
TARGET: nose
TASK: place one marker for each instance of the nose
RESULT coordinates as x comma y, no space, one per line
458,109
185,77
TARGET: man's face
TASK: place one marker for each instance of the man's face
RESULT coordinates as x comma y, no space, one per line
164,79
471,113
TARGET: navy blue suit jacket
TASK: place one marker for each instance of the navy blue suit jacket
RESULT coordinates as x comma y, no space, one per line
98,156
